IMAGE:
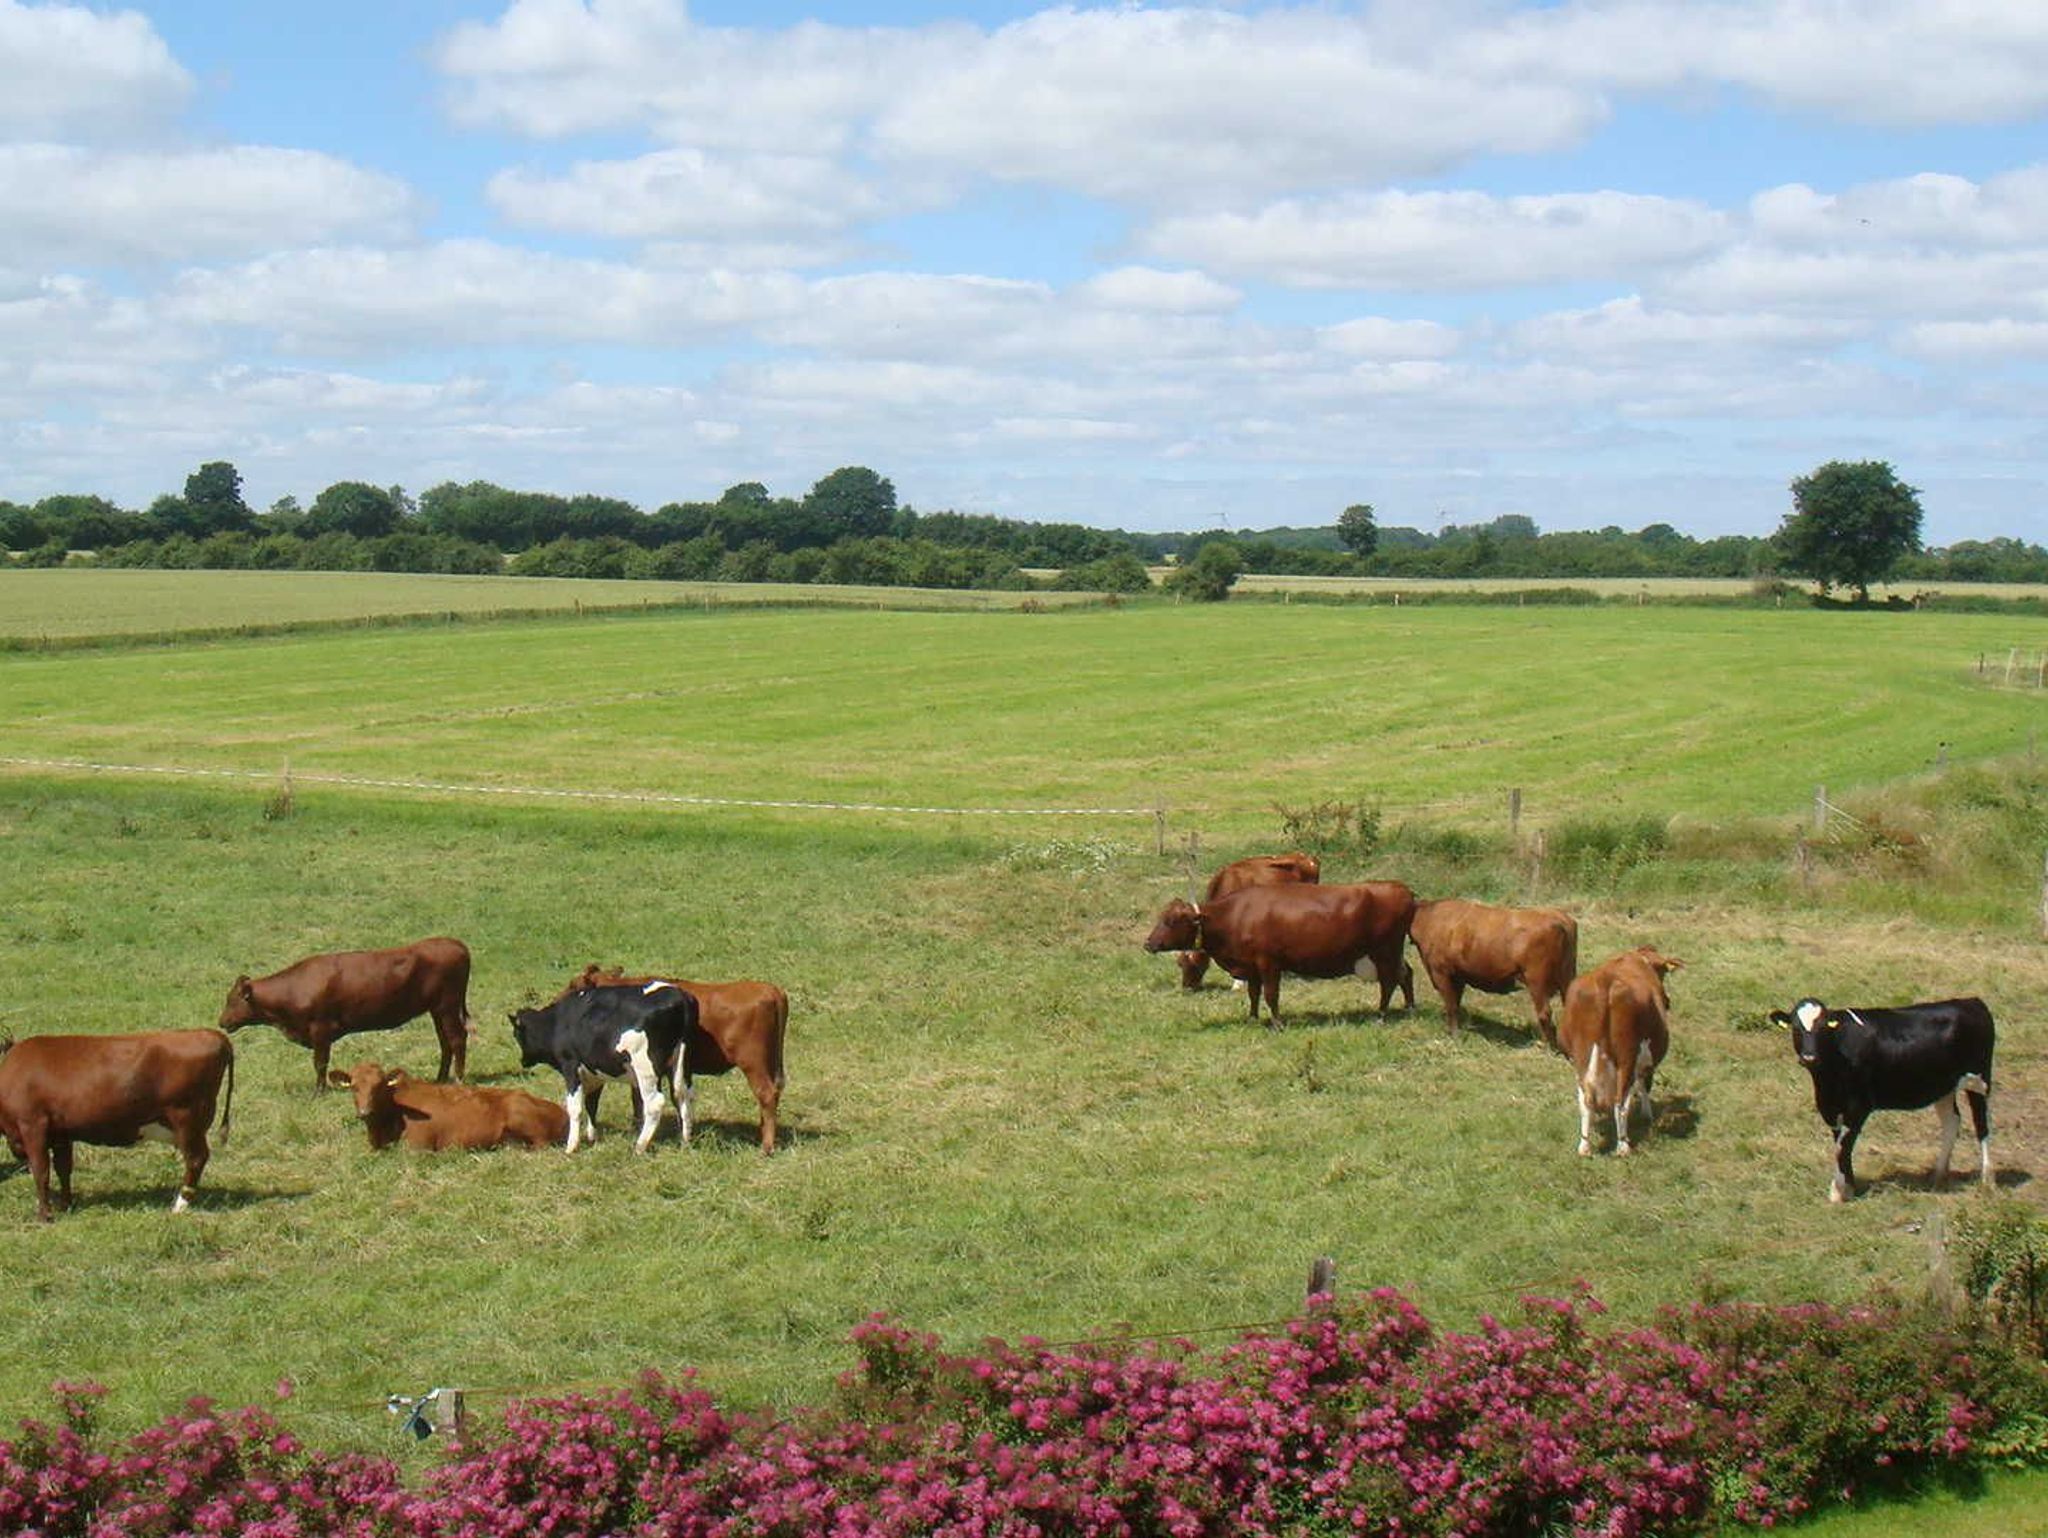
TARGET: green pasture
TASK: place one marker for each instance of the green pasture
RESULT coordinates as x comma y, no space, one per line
1002,1117
1215,714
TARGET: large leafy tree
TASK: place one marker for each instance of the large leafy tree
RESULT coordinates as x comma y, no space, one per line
853,500
353,507
1851,524
1356,528
213,500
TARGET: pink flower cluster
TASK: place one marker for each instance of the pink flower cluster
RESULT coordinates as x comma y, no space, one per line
1358,1418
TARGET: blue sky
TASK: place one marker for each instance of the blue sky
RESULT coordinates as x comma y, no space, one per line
1161,266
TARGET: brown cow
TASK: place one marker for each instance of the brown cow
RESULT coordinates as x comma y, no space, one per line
397,1107
317,1001
111,1090
739,1025
1258,870
1259,932
1617,1028
1476,945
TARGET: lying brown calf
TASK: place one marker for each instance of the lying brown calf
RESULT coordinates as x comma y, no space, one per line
396,1107
113,1090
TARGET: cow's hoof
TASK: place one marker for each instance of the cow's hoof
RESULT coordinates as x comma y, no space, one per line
1585,1149
1836,1195
1622,1150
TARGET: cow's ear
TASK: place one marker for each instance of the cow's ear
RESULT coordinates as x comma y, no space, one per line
242,985
1781,1020
396,1077
338,1079
1669,964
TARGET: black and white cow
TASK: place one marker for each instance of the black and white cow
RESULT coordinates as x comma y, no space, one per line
595,1034
1865,1060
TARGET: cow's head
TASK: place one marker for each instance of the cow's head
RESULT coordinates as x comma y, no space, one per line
530,1030
1179,928
370,1085
1813,1030
240,1009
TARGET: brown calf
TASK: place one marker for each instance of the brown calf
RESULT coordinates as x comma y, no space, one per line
739,1025
1476,945
1260,932
1617,1028
112,1090
396,1107
317,1001
1258,870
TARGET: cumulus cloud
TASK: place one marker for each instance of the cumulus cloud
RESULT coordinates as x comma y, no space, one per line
67,71
119,207
469,292
1443,240
695,197
1628,330
1373,336
1150,289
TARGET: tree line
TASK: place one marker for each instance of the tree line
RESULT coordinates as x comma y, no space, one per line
1851,525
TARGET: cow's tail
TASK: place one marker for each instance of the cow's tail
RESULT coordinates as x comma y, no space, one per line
227,1105
781,1030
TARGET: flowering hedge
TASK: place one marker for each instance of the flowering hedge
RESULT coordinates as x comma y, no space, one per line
1358,1418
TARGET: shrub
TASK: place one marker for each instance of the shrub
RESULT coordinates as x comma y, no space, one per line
1330,827
1604,849
1357,1417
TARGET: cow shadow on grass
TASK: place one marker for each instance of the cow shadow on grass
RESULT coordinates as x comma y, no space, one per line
739,1132
1960,1182
229,1196
1678,1115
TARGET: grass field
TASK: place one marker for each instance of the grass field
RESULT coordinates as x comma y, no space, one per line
1214,714
68,603
1002,1117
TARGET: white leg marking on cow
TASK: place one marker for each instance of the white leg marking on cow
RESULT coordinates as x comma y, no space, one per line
634,1045
181,1205
1838,1188
1984,1160
1951,1118
573,1104
686,1098
1585,1123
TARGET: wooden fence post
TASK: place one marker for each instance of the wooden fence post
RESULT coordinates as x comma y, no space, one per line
1322,1276
449,1412
1159,830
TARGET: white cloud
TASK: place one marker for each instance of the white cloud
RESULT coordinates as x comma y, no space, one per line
118,207
1627,330
471,292
2007,338
1442,241
691,195
1148,288
67,70
1373,336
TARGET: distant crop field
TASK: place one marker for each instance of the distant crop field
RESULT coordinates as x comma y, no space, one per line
1608,587
1002,1116
69,602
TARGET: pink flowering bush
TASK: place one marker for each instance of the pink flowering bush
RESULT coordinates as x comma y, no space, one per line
1357,1418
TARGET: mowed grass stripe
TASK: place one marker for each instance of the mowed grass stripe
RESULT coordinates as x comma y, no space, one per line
1216,712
